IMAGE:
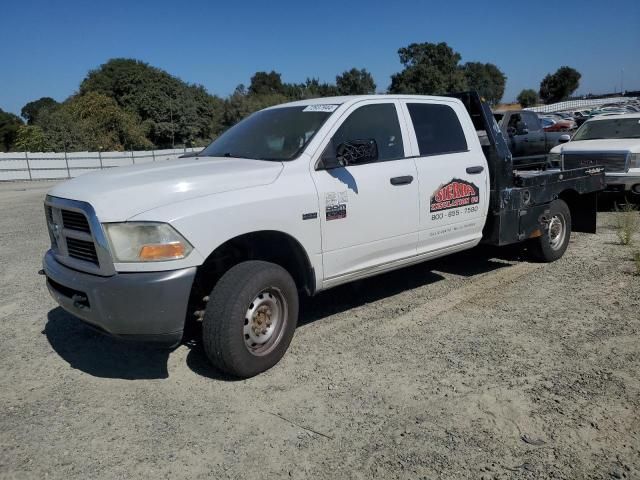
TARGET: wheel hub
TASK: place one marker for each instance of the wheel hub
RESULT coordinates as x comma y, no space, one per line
264,320
556,231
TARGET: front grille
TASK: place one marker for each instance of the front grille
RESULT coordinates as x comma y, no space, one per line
82,250
49,211
75,221
611,161
77,240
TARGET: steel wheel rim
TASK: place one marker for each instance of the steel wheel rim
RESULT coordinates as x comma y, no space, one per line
265,321
557,231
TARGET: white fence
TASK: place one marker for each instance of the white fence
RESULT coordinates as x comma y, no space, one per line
578,104
54,165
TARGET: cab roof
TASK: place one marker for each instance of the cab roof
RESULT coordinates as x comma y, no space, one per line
354,98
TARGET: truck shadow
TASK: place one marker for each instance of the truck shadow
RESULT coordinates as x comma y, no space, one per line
100,356
340,299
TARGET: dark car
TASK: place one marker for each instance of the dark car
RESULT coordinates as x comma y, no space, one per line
527,140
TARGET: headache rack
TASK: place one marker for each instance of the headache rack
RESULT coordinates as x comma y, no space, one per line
519,200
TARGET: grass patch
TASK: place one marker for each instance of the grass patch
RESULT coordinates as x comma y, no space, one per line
627,223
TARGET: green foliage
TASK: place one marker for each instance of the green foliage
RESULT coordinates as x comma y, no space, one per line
242,104
263,83
429,69
9,124
560,85
628,220
92,121
128,104
355,82
171,111
486,79
31,110
30,138
527,98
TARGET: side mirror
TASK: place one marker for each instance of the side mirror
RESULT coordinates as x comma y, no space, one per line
329,162
355,152
564,138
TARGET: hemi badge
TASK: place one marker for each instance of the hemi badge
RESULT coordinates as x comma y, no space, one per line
309,216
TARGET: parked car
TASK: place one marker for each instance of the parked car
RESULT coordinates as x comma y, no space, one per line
558,123
611,141
527,140
296,199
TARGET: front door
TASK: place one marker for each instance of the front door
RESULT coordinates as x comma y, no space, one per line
369,211
453,174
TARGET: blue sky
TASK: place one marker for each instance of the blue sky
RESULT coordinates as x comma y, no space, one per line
47,47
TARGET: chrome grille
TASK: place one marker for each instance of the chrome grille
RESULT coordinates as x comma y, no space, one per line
75,221
77,238
82,250
611,161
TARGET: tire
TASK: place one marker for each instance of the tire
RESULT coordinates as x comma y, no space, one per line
250,318
552,244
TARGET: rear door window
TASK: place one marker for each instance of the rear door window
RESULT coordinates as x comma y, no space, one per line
437,128
532,121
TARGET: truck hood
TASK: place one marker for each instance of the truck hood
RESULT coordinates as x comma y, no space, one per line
120,193
600,145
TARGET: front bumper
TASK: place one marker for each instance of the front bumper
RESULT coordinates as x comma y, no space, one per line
146,306
620,182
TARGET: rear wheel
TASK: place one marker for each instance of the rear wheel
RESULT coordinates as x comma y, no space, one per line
250,318
553,242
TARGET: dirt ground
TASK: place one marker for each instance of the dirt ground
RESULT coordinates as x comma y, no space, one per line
479,365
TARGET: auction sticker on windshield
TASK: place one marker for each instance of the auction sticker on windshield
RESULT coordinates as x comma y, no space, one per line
321,107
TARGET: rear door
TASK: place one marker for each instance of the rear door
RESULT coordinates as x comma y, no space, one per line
369,212
452,173
535,145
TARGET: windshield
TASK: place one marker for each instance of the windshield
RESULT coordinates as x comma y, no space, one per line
275,134
613,128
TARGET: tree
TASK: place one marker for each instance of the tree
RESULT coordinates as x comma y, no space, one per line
263,83
171,111
9,124
92,121
355,82
560,85
429,68
31,110
527,98
30,138
486,79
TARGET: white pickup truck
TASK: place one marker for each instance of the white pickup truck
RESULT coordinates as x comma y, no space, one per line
296,199
610,141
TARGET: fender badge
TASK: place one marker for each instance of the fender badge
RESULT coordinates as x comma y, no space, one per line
309,216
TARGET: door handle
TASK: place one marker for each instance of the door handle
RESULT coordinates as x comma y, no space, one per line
475,170
404,180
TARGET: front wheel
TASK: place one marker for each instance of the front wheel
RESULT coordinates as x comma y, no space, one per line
250,318
552,244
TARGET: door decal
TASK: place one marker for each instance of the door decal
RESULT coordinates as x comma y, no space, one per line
456,193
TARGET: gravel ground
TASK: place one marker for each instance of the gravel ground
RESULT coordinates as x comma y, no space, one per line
480,365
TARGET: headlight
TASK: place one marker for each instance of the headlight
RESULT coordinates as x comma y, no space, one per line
634,160
555,159
146,242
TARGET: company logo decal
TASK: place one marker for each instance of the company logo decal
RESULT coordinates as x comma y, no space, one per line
456,193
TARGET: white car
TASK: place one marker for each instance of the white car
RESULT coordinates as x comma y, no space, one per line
296,198
611,141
